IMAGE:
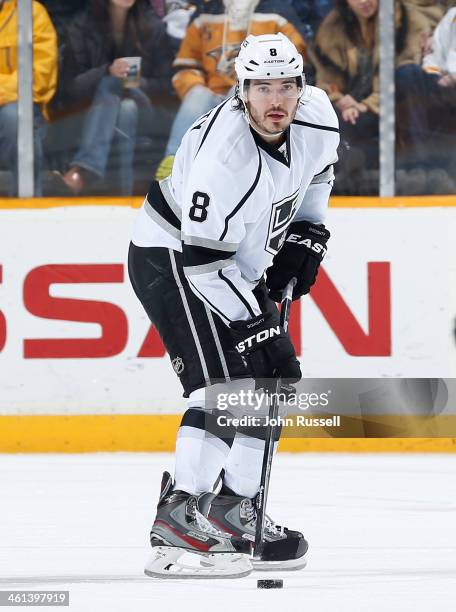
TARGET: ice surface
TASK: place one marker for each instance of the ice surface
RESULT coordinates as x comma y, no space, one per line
382,533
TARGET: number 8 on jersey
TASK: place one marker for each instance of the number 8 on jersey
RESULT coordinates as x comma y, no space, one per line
200,201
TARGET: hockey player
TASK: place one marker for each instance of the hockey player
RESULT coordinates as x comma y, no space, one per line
248,193
204,65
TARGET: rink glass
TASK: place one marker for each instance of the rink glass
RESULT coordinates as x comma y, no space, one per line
357,172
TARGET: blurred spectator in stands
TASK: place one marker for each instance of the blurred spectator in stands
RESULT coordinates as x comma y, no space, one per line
433,11
205,62
99,45
431,109
346,57
62,13
440,62
44,83
311,13
176,14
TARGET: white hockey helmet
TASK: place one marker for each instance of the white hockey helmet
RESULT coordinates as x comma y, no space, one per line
268,56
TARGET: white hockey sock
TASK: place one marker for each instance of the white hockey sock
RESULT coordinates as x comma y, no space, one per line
243,466
200,454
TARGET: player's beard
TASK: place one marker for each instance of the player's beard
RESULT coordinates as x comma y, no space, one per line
263,124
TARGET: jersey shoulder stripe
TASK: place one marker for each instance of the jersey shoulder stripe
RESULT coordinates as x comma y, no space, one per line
211,123
316,111
314,125
198,123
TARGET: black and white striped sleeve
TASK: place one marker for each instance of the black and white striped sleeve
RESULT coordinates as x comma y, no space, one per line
322,120
314,204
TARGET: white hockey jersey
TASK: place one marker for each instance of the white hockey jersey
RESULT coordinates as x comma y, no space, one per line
442,56
231,197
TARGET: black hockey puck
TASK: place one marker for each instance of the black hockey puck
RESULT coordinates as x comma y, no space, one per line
270,584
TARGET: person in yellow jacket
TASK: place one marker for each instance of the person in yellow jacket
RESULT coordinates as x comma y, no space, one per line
44,83
204,66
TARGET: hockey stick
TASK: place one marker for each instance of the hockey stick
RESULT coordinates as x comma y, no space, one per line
269,440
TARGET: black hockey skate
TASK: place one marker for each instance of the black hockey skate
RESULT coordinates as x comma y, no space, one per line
186,545
284,549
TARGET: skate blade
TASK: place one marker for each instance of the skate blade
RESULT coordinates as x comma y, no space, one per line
289,565
171,562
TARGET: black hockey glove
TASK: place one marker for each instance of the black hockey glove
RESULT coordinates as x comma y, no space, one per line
266,347
300,256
